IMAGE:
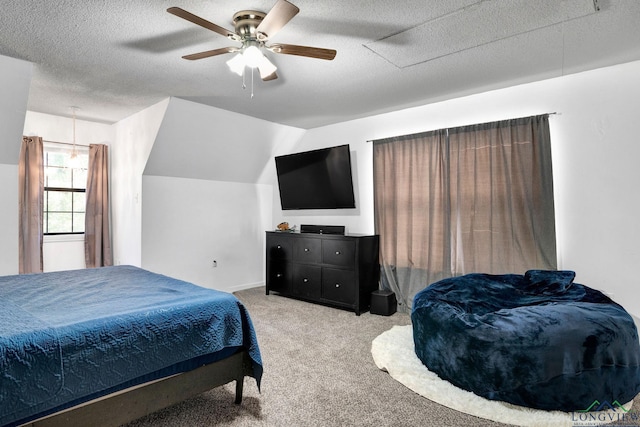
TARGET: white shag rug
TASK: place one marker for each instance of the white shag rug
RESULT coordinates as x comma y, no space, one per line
393,352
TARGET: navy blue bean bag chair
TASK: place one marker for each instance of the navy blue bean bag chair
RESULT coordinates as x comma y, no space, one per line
537,340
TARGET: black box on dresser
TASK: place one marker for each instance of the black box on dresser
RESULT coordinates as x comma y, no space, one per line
337,270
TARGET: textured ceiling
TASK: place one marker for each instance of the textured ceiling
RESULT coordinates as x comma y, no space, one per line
458,30
114,58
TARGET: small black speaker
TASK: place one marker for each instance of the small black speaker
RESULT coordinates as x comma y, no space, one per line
383,303
322,229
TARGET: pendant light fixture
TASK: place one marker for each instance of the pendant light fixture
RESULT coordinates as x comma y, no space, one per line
74,161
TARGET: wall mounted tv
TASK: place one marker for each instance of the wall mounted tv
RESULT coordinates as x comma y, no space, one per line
318,179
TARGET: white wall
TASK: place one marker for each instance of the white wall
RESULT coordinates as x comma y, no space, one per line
15,77
202,199
8,219
134,140
595,155
189,223
65,252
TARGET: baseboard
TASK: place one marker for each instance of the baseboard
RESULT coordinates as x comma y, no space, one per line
244,286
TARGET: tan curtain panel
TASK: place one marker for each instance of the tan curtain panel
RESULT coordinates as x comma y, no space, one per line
97,238
503,191
30,204
474,199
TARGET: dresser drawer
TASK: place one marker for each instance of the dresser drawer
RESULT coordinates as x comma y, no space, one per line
339,285
306,281
307,251
341,253
279,276
279,248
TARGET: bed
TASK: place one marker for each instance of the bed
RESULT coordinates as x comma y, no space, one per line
105,346
537,340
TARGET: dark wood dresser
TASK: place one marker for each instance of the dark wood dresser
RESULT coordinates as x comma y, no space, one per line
336,270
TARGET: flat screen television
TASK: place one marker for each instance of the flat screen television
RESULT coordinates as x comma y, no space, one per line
318,179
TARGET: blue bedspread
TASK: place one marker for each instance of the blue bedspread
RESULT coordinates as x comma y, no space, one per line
537,340
69,336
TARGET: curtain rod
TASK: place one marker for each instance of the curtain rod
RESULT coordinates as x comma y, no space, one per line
548,114
64,143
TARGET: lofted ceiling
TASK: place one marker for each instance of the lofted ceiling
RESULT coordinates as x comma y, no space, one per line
114,58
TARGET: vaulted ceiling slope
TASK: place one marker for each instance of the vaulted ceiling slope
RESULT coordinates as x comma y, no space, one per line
115,58
15,77
194,142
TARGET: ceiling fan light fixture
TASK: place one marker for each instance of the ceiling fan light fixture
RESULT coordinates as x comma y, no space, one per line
236,64
252,56
253,29
266,67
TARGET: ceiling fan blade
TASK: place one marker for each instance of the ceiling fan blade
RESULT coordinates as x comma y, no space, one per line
278,16
210,53
271,76
311,52
202,22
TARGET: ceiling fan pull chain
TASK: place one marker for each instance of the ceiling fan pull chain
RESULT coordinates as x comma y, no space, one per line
244,85
252,83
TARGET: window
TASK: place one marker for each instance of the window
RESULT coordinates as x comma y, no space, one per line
453,201
65,181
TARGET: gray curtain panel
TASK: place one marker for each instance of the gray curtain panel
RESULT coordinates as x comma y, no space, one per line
97,237
464,200
30,204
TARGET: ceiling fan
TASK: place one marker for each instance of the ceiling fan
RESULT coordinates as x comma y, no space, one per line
253,29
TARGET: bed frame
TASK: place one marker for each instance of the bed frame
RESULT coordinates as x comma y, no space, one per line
132,403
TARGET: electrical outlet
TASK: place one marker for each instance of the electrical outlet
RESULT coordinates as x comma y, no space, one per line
215,263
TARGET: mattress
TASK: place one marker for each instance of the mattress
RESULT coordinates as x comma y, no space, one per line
68,337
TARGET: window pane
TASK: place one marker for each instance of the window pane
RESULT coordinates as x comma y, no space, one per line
78,222
57,159
79,178
59,222
79,202
59,201
82,160
58,177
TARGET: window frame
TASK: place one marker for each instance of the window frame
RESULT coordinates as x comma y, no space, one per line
53,148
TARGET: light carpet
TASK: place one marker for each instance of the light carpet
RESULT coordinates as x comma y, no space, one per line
393,352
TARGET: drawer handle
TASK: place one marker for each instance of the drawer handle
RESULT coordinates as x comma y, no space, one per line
337,252
279,247
306,249
279,275
337,285
305,280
